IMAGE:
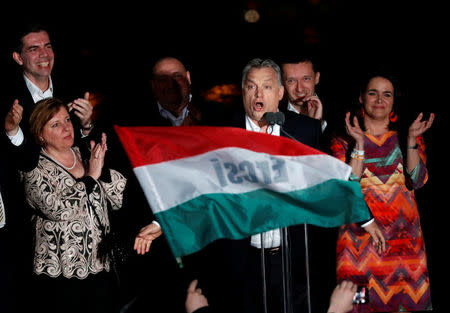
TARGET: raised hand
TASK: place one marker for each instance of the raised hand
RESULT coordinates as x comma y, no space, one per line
314,107
97,159
354,130
13,118
418,127
194,298
83,109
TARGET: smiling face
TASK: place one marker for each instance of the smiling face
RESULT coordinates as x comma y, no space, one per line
36,57
300,81
261,93
378,99
57,133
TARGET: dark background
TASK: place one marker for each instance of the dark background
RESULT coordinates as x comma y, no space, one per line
108,49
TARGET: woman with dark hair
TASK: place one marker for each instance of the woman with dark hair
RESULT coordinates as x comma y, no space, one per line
397,278
69,195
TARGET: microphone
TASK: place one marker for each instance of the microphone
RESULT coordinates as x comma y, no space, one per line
274,118
277,118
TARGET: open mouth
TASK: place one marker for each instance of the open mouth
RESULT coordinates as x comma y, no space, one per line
44,64
258,106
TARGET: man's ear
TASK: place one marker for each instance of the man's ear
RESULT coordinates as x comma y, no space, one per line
16,56
317,78
188,75
280,93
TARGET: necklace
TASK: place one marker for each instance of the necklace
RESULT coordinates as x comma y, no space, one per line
67,168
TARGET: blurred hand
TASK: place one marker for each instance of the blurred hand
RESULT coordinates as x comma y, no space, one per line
418,127
378,240
194,298
194,117
342,297
97,159
145,238
83,109
13,118
314,107
354,130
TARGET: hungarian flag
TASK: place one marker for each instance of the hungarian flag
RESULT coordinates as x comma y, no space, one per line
205,183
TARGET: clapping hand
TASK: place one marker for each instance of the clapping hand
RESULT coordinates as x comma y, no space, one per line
83,109
354,130
418,127
97,159
13,118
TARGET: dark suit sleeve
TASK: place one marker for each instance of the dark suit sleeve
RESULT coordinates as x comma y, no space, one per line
303,128
24,157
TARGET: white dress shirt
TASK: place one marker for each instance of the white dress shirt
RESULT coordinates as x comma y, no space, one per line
271,238
36,92
176,121
291,107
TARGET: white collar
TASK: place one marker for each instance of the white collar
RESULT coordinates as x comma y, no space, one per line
250,125
176,121
36,92
292,108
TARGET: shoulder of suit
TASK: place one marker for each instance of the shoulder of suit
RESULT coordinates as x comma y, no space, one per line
292,116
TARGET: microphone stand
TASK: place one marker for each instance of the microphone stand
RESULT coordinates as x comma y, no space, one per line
308,283
278,118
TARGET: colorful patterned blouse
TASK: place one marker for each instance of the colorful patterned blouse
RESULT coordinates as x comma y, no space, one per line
398,279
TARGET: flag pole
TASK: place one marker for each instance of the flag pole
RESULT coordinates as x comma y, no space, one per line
308,283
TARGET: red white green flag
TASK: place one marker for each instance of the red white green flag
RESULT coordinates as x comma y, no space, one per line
206,183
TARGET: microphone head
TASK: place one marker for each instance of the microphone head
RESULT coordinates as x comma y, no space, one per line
274,118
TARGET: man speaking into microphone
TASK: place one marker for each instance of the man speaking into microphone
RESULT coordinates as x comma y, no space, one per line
242,276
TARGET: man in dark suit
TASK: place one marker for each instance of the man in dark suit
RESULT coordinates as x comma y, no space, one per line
172,100
240,287
172,105
32,51
8,266
31,81
12,264
301,76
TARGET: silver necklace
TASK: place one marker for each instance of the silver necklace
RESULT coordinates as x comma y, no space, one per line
67,168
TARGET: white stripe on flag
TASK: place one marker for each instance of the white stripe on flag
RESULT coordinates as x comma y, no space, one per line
233,170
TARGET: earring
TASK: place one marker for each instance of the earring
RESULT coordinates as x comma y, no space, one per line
393,117
363,113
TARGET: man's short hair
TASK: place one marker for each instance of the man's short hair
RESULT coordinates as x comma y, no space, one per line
261,63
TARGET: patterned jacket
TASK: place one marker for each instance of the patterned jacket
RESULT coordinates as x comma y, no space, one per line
67,231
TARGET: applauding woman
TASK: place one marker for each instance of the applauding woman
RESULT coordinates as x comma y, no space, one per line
69,194
389,167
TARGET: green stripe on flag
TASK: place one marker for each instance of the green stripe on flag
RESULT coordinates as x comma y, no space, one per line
194,224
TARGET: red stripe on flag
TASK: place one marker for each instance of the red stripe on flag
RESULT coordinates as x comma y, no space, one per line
146,145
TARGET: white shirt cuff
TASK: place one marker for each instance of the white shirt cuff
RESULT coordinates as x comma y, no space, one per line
368,223
17,139
156,223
